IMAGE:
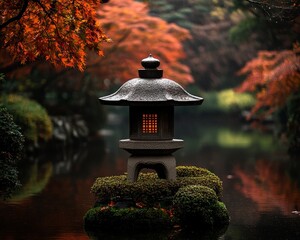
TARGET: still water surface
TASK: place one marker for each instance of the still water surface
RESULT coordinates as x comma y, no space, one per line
261,184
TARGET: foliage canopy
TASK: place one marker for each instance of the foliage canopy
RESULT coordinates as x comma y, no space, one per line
59,31
273,76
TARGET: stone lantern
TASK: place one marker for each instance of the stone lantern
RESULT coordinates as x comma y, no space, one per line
151,100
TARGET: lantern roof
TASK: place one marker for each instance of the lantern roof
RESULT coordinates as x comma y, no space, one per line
151,89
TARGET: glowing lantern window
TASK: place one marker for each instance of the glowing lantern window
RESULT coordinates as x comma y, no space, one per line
149,123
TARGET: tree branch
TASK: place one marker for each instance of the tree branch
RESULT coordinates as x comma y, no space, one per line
17,17
283,11
291,7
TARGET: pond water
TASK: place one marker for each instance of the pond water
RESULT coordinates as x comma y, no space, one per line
261,183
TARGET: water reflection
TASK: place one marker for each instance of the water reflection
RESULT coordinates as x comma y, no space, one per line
34,181
261,184
56,193
270,186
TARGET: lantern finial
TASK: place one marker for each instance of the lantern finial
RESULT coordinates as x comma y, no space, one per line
150,64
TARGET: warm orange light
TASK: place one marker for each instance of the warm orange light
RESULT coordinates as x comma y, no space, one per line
149,123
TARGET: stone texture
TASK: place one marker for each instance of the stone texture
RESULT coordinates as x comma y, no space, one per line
161,147
165,166
140,91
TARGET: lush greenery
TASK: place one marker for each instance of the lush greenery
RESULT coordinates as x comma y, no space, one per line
112,218
149,190
197,205
225,138
33,119
226,101
11,145
151,201
192,171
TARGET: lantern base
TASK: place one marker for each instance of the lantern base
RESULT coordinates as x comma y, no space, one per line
165,166
159,147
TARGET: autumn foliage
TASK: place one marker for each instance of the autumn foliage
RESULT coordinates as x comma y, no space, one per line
135,35
273,76
59,31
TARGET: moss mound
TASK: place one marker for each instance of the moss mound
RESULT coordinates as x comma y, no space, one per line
192,171
196,206
149,189
123,219
151,201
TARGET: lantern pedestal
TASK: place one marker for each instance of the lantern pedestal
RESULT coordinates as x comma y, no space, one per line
165,166
152,154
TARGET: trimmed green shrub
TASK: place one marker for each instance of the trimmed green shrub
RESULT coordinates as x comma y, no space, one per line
210,181
149,189
198,206
221,216
191,171
193,197
33,119
11,146
195,204
112,218
118,188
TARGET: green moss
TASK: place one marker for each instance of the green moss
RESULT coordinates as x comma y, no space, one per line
197,206
211,181
194,205
193,197
149,189
126,219
192,171
221,216
117,187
